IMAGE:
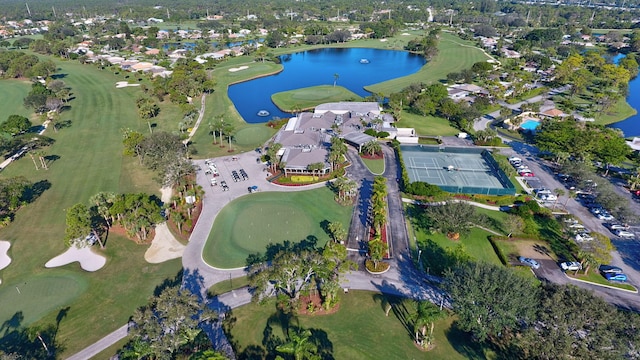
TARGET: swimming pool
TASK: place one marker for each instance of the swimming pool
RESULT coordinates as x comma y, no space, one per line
530,125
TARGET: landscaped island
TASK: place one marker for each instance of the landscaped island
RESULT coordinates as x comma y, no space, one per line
308,98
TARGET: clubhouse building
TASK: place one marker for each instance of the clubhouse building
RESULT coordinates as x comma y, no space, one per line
306,138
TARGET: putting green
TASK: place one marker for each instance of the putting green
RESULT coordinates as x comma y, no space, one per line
248,224
27,302
256,134
310,97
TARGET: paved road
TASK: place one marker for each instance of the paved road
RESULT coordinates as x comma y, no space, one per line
626,256
98,346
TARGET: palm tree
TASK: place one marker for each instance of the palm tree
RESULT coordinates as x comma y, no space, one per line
337,231
315,167
336,76
425,315
229,131
372,147
559,192
572,195
377,250
299,346
34,160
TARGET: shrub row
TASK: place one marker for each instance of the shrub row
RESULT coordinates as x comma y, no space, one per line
498,250
404,181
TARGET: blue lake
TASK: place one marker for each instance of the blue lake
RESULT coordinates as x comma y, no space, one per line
631,126
317,67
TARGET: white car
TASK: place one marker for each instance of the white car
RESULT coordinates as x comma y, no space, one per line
571,266
625,234
529,262
514,159
549,197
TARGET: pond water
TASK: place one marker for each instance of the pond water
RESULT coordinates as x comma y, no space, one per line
631,126
318,67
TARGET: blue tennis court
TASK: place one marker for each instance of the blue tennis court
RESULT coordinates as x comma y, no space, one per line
458,170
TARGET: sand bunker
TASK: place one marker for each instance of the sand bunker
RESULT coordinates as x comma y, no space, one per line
122,84
164,246
89,261
405,34
243,67
5,260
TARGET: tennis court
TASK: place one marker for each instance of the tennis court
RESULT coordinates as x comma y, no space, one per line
457,170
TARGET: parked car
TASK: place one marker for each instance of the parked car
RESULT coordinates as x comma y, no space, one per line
571,266
625,234
605,216
224,185
610,269
549,197
529,262
614,226
615,277
527,174
514,158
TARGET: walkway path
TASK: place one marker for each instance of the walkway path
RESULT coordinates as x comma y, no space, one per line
197,124
22,150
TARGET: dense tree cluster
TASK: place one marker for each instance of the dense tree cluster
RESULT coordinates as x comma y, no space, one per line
16,64
427,45
582,141
173,325
296,270
136,213
14,193
526,320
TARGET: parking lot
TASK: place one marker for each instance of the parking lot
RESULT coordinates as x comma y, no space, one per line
627,255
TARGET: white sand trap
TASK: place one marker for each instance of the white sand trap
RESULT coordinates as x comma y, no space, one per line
383,40
164,246
243,67
122,84
89,261
405,34
5,260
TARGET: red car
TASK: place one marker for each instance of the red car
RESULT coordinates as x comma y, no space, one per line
527,174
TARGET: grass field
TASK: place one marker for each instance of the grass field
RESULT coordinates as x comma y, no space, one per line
89,161
310,97
12,93
427,125
250,223
476,242
454,55
376,166
359,330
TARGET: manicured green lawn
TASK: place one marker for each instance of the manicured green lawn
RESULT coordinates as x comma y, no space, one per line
359,330
12,94
376,166
249,224
228,285
310,97
427,125
476,242
89,160
620,111
454,55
